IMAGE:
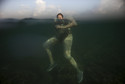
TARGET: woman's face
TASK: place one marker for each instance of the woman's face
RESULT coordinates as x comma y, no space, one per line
60,17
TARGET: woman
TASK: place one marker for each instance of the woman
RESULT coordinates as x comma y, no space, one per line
64,34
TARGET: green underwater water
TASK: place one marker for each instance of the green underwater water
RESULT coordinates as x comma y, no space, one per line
98,48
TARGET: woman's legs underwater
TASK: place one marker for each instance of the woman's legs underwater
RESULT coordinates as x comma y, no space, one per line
67,53
50,42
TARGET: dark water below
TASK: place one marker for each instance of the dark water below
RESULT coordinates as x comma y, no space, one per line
98,47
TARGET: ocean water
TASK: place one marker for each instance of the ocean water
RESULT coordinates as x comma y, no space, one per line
98,48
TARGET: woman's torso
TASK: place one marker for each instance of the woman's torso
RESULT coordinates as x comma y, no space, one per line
62,33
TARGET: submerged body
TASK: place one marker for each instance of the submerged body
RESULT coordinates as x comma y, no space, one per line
63,34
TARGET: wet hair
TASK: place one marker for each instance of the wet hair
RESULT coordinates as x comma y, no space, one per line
59,14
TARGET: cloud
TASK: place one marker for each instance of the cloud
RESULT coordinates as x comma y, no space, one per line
110,6
40,7
43,10
35,9
106,9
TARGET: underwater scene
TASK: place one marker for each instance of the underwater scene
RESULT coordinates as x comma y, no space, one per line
98,48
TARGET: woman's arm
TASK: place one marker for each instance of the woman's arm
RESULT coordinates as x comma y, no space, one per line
71,24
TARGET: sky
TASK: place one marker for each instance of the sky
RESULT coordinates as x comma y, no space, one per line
49,8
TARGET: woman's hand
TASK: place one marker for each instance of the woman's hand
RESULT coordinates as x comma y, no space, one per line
59,27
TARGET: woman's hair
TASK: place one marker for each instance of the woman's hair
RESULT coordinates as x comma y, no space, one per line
59,14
